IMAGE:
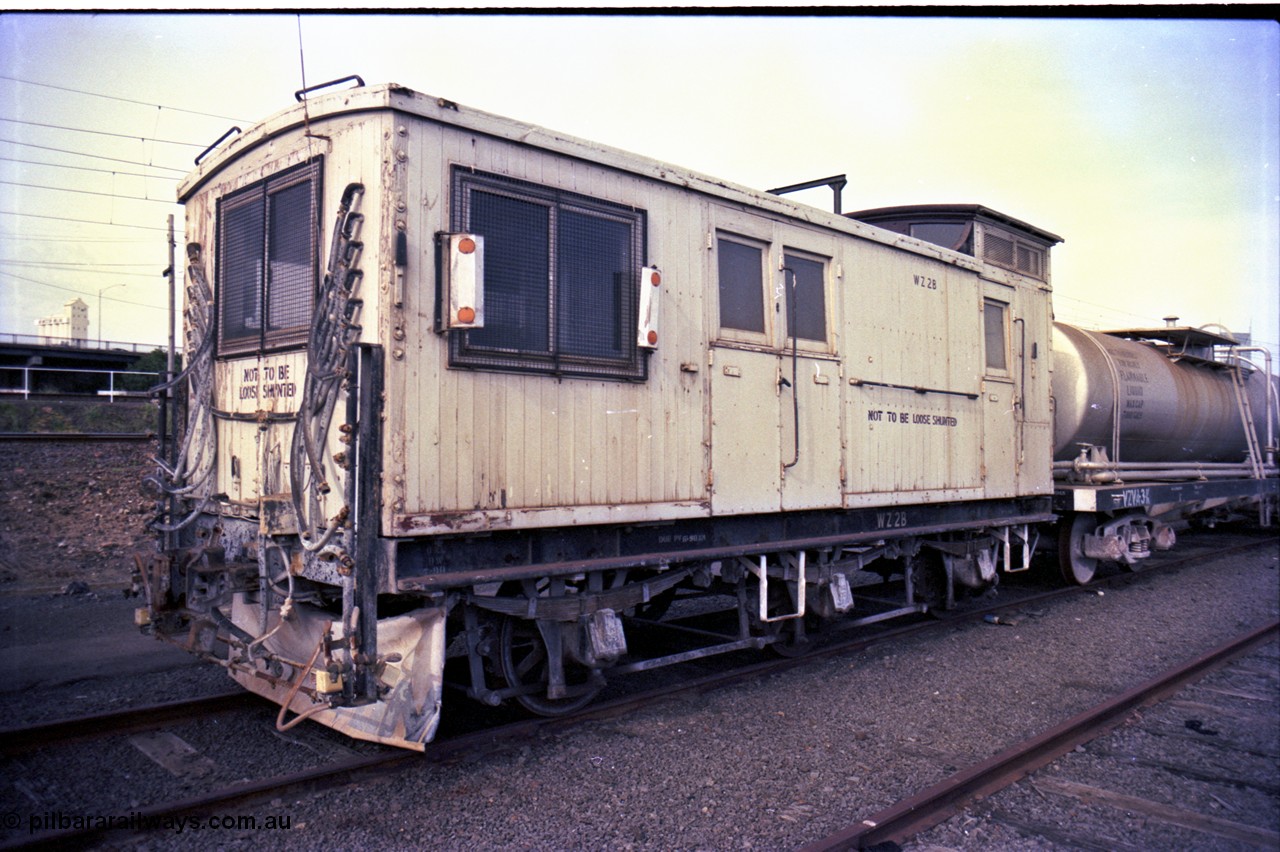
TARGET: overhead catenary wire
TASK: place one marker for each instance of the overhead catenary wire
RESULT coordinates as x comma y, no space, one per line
95,156
81,221
61,238
89,169
88,192
84,268
70,264
93,164
118,98
81,292
131,136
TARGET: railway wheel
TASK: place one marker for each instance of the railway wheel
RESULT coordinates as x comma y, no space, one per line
929,580
1077,569
525,662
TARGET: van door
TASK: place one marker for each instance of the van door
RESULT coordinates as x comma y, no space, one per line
1002,412
775,383
745,427
809,376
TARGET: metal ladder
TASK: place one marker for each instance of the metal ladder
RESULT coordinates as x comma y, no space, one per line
1246,416
763,574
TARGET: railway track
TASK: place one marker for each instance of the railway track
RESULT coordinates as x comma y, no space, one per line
909,817
488,740
62,732
73,437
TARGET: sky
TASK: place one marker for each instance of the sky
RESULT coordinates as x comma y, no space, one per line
1151,146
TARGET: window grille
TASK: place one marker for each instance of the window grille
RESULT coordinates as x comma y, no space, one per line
1029,261
267,261
1011,252
998,250
561,279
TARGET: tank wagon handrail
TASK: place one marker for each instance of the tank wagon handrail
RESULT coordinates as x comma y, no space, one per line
1115,396
1107,473
1079,465
1272,402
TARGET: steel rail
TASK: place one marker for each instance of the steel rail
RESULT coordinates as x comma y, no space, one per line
940,802
69,437
15,741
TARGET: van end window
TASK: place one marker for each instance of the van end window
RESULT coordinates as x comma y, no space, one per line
995,338
268,262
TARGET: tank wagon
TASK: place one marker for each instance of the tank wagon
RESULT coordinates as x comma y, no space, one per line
1152,427
472,402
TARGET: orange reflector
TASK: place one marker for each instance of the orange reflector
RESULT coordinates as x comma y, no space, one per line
653,338
466,245
655,279
467,314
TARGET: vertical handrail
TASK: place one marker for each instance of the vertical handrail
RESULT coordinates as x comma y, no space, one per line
794,322
1115,397
1021,405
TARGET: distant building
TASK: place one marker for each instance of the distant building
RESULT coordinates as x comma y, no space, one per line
71,326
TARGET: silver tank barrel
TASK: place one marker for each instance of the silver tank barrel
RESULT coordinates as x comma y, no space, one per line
1168,411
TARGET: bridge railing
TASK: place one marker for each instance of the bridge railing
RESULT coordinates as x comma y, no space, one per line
73,381
65,343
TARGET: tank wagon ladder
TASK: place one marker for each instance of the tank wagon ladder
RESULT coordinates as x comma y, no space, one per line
1246,416
1262,459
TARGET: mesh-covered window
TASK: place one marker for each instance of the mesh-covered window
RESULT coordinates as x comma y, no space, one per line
1012,252
998,250
241,273
561,279
517,271
1029,261
741,285
267,261
807,308
993,327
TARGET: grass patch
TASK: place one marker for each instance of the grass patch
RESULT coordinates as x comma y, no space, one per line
28,415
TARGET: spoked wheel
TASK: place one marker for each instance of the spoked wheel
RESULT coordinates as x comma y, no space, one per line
1077,569
524,661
